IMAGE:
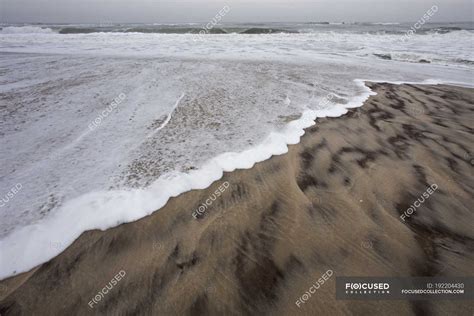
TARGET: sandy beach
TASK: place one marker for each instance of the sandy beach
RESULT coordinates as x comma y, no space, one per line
255,241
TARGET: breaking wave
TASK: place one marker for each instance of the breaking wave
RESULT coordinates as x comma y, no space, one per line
26,30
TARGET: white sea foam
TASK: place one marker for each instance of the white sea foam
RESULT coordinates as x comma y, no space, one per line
445,49
30,246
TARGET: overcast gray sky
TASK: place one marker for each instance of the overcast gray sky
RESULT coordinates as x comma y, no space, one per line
166,11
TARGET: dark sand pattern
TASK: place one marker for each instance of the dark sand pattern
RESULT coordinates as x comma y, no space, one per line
333,202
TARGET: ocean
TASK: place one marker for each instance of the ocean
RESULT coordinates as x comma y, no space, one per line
102,123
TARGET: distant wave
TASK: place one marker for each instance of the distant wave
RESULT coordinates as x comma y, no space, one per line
261,30
320,23
312,27
419,58
445,29
79,30
385,23
172,30
423,31
463,61
413,58
25,30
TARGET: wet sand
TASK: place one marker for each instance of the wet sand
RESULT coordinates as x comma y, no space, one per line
334,202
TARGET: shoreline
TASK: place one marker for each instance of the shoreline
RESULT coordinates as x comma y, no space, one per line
275,144
153,199
336,179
